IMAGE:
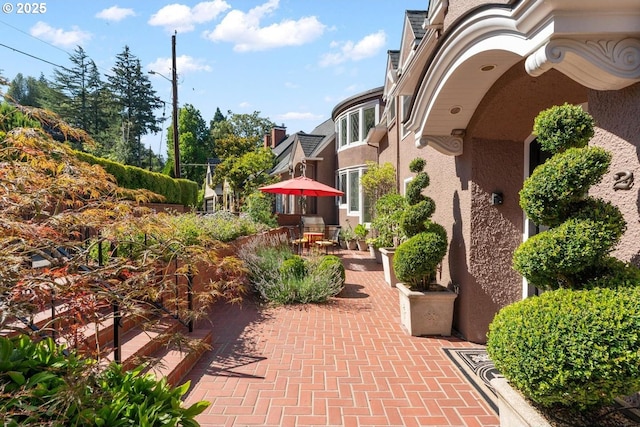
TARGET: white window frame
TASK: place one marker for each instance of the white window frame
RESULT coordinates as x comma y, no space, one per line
344,124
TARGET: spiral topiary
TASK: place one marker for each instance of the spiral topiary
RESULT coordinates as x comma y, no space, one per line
573,253
576,345
416,259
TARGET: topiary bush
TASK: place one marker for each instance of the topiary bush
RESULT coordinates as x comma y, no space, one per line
333,263
559,128
570,348
577,345
416,259
584,230
294,267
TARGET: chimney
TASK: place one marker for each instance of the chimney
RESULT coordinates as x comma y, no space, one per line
278,134
267,140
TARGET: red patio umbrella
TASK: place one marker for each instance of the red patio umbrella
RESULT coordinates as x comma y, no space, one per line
301,186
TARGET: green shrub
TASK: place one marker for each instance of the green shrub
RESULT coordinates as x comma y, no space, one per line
548,196
571,348
331,263
293,267
561,127
413,220
416,260
560,257
178,191
259,208
389,210
281,277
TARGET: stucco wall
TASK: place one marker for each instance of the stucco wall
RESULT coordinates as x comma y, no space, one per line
457,8
493,161
617,116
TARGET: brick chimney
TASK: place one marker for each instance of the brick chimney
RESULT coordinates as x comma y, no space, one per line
278,134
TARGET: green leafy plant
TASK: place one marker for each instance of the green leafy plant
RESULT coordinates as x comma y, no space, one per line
42,383
386,222
361,231
570,348
258,207
416,259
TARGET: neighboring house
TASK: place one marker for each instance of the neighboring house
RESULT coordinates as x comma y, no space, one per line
311,154
462,92
354,119
213,194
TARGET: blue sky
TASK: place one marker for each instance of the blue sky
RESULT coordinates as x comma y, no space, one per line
292,60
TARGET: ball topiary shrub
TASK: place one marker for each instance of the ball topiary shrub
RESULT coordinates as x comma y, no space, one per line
416,259
559,128
570,348
420,255
332,262
294,266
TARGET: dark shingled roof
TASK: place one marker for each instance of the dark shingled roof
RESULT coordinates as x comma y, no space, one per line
394,58
416,18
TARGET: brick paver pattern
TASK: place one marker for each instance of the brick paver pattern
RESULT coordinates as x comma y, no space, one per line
344,363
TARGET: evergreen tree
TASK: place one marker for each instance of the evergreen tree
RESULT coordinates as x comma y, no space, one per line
136,101
27,91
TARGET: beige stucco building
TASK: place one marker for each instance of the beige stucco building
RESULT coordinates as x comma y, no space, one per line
462,92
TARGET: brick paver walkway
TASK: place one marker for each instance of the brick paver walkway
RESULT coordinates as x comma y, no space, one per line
345,363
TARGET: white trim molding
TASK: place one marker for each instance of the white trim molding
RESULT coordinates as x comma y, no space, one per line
600,64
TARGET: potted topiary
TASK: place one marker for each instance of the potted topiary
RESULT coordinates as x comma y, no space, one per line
574,347
361,235
386,224
426,308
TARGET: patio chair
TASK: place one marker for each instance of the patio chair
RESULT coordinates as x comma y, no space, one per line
296,242
331,242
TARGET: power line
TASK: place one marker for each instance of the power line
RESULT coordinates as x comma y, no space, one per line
31,56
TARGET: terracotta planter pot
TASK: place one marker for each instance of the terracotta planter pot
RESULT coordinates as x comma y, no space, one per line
352,245
426,313
362,245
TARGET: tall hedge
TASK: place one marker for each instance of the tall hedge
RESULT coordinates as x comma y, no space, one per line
178,191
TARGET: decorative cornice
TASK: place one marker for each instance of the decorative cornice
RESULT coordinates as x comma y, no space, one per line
598,64
446,144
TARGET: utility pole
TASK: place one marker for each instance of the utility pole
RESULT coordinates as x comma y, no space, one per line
174,82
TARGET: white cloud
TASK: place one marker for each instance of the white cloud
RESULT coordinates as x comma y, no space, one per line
182,18
58,36
244,30
244,105
184,64
115,14
369,46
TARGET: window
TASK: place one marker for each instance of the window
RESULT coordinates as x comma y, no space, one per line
342,186
392,110
343,131
353,195
369,119
354,134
